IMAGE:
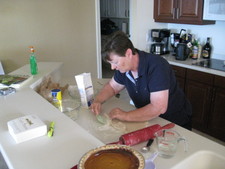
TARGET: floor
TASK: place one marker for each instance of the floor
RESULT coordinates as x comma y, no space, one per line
108,73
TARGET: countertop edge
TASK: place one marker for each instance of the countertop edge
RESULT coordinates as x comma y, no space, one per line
188,63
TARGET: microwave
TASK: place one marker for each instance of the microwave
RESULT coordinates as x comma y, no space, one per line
214,10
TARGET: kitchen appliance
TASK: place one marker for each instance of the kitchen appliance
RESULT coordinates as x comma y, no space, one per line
160,39
181,37
214,10
216,64
157,48
182,51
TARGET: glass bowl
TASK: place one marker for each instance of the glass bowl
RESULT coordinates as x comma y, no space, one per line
70,107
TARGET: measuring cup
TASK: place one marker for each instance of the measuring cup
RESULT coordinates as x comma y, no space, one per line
149,164
167,141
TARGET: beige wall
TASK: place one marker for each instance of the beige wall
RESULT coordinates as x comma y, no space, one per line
142,21
60,30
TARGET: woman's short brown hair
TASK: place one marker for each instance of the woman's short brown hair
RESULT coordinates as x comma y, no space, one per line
117,43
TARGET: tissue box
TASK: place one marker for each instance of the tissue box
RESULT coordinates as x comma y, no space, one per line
26,128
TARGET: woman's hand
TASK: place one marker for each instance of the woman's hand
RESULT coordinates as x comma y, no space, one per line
96,107
119,114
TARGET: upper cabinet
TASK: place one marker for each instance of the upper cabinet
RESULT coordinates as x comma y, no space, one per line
180,11
114,8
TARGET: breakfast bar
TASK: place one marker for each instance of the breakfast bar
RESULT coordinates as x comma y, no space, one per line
73,138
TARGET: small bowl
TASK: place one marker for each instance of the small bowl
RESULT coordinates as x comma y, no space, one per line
69,105
73,92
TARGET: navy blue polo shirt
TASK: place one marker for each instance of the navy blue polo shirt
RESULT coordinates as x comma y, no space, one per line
155,74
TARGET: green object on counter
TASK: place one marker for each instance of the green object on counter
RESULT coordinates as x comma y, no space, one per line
51,129
33,62
101,119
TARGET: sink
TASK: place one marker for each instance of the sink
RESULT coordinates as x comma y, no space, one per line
202,160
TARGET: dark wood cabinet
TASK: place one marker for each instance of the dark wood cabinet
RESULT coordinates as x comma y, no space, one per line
180,74
198,89
180,11
206,93
216,122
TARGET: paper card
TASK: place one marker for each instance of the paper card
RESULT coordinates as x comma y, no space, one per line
85,87
26,128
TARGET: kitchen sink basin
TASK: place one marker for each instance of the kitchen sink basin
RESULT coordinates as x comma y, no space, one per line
202,160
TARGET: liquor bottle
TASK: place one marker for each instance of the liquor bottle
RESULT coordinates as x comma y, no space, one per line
206,50
33,62
195,49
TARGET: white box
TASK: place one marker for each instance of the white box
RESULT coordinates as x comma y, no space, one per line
85,87
26,128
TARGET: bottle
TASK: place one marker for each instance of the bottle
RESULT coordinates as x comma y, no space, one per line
33,62
195,49
199,51
206,50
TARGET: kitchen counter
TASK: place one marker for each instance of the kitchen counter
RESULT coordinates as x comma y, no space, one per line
188,63
72,139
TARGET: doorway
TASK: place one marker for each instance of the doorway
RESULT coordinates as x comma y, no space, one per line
112,15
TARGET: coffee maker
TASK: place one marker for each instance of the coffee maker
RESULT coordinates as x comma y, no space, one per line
160,39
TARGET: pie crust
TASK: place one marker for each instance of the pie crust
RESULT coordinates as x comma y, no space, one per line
112,157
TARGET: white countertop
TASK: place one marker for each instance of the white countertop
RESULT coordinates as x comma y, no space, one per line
188,63
74,138
62,151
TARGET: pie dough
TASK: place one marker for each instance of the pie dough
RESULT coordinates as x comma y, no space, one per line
116,124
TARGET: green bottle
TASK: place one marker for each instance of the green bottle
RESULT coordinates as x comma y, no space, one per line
33,62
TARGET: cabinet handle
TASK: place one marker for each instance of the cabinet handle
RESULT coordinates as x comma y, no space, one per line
174,10
125,13
178,10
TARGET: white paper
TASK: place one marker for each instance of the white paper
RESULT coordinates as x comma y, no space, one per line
26,128
85,87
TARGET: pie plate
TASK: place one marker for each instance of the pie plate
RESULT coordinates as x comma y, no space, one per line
114,157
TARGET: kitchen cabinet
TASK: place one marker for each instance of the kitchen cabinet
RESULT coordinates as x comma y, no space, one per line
206,92
114,8
180,74
217,115
108,8
123,9
180,11
198,89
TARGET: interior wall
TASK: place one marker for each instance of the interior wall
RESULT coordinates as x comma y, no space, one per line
60,30
141,22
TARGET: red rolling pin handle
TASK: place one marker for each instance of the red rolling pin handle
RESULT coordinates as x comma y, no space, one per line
168,126
139,136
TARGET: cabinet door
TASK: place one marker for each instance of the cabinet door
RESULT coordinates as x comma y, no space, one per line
103,8
216,125
123,9
108,8
180,74
112,8
199,94
190,10
164,10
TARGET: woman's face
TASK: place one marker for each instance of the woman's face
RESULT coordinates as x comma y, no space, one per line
121,63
